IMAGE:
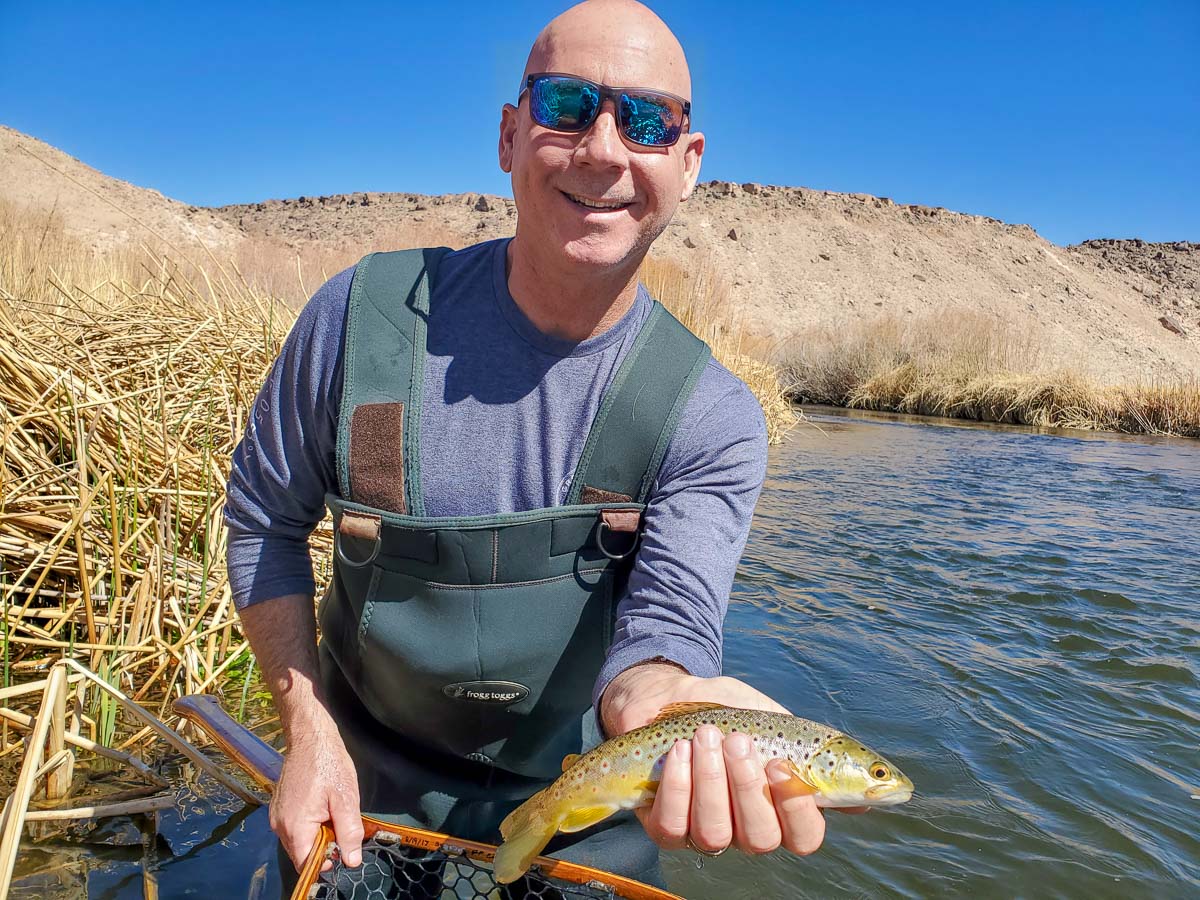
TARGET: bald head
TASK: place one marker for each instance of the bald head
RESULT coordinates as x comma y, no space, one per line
617,42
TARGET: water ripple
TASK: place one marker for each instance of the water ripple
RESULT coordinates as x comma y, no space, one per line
1009,615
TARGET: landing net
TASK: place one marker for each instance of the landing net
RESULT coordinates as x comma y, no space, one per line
394,869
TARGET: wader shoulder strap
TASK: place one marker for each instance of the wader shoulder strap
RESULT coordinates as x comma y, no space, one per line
384,363
639,413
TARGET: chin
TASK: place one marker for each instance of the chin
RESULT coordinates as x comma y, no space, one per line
600,251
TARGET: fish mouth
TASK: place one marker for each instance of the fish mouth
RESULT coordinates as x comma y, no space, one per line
889,794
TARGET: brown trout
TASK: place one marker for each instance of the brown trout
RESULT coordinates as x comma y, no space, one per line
624,772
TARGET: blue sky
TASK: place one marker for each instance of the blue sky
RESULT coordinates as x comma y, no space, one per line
1080,119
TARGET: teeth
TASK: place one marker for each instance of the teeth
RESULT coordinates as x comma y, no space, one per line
585,202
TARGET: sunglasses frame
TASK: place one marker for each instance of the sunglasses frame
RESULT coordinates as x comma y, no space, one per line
608,92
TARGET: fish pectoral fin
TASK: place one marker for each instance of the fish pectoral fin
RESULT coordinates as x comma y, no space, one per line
569,760
582,817
799,784
671,710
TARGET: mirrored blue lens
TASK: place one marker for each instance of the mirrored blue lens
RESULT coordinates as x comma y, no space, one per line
563,103
650,120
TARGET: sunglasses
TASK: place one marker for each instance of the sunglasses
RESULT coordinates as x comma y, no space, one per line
568,103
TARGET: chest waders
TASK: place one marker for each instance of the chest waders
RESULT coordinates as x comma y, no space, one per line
474,642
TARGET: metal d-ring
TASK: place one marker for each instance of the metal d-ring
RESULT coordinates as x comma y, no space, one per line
605,550
347,561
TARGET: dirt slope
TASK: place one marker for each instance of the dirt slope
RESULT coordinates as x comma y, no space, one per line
100,210
796,258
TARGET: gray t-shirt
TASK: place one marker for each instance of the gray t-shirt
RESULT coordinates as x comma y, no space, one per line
506,412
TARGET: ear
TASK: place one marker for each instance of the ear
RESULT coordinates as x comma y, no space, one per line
691,162
508,133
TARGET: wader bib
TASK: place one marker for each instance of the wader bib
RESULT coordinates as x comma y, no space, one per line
462,652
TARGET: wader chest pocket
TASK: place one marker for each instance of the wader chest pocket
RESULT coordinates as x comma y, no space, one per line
416,637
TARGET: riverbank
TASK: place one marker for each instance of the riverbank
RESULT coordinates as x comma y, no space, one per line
965,364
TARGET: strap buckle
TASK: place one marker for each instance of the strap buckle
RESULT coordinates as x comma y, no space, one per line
358,525
625,521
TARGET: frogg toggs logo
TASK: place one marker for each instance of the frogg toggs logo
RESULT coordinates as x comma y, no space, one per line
504,692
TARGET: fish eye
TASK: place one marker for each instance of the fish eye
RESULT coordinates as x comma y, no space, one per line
879,772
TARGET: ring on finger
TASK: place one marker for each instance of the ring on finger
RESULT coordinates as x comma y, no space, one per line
692,845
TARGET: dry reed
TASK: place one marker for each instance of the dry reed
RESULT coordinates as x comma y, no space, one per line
124,383
700,299
963,364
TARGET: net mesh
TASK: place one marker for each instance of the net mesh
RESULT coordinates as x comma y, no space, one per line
393,870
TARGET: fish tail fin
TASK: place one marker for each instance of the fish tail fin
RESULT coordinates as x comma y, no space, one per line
526,831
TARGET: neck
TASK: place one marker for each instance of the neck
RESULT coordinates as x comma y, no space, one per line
560,303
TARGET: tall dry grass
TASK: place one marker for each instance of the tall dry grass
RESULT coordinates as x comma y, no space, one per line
701,300
964,364
124,383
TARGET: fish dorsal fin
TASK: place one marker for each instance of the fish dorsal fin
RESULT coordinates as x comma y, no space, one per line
569,760
671,710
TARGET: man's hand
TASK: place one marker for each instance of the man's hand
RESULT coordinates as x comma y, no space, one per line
318,785
714,789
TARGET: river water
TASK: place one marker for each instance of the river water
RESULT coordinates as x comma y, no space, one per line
1012,617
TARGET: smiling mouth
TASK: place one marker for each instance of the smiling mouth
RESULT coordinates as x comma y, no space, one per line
594,206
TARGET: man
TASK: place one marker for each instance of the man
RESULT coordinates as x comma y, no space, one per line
520,350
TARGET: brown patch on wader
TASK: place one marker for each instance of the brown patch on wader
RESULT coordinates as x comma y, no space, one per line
377,456
591,494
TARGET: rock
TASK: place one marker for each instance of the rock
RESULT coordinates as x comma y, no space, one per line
751,188
481,205
825,256
1170,324
733,235
920,278
687,242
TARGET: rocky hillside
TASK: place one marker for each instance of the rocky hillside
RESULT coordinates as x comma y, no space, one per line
795,259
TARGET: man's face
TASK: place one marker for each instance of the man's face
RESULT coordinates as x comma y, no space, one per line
598,164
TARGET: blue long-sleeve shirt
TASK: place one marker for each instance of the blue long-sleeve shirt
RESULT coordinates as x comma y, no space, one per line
505,414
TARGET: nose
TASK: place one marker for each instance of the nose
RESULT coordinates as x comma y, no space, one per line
601,145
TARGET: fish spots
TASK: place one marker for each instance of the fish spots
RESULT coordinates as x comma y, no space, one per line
780,735
604,766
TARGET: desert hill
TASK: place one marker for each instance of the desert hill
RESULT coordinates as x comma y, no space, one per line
795,259
102,211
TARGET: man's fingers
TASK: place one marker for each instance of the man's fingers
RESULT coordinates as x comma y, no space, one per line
347,828
800,820
711,825
296,836
666,822
755,824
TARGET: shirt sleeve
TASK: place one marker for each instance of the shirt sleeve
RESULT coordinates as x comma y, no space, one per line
696,524
286,460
